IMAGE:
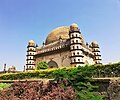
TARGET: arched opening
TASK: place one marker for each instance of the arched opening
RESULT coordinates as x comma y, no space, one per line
76,41
52,64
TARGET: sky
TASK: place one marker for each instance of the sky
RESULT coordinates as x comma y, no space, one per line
23,20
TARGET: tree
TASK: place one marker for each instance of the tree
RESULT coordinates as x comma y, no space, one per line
42,65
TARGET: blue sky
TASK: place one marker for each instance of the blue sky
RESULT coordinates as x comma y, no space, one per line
23,20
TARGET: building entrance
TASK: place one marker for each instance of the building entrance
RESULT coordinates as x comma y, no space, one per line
52,64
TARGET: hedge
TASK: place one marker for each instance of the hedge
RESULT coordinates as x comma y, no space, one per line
109,70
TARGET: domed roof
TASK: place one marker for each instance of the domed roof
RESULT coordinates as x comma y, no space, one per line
31,41
54,35
11,68
60,32
74,25
94,43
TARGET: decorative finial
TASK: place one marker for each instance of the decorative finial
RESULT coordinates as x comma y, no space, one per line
36,45
87,44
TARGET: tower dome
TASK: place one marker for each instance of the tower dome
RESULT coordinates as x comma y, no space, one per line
31,43
74,25
11,68
94,42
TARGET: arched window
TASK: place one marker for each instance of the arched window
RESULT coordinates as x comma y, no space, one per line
72,41
74,60
73,47
72,35
76,35
73,53
76,41
79,60
77,47
78,53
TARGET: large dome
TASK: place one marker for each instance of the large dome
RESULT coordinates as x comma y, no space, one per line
60,32
54,35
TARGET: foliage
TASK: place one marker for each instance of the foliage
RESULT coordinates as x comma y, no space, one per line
81,83
110,70
71,83
86,95
42,65
37,91
4,85
75,80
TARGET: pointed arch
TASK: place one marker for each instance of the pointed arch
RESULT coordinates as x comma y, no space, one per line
52,64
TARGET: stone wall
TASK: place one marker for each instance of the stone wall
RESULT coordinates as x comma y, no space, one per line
62,58
109,88
113,90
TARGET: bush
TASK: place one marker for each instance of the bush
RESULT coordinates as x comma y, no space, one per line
42,65
4,85
80,82
110,70
70,84
37,91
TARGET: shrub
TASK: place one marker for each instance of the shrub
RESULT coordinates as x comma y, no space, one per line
80,82
37,91
110,70
42,65
4,85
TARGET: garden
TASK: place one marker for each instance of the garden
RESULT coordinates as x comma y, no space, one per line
73,83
